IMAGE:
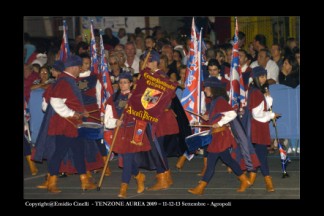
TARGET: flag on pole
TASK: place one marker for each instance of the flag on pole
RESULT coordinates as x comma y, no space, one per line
201,47
106,86
93,51
191,94
237,93
65,49
107,89
284,159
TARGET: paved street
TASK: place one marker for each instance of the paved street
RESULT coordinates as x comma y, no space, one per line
222,186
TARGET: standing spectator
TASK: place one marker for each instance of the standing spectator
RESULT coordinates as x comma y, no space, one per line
44,80
168,51
259,43
132,61
276,55
289,74
291,43
270,66
122,36
177,45
139,43
29,77
252,52
149,43
109,38
81,47
245,68
297,55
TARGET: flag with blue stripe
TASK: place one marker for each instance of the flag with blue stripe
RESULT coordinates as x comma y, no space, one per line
93,51
237,93
191,94
65,48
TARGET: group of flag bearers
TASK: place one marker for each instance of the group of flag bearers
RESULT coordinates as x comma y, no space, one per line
69,105
221,113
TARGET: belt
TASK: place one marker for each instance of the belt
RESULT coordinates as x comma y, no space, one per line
220,129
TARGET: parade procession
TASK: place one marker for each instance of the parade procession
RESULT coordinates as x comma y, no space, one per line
190,114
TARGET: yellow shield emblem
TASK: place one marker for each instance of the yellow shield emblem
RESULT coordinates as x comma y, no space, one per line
151,98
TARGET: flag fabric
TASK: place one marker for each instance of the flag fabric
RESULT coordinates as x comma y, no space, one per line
65,49
93,52
106,86
107,89
151,97
201,47
26,121
284,158
191,94
237,93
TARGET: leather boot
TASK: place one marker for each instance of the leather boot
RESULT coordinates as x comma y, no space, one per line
85,183
199,190
140,178
162,182
44,185
52,181
244,183
180,162
107,171
32,166
269,185
169,177
204,168
91,179
123,190
252,177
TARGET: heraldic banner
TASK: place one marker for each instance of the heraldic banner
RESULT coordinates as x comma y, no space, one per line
152,95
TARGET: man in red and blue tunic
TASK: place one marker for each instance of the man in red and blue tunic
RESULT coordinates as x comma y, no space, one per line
166,126
90,88
220,114
66,106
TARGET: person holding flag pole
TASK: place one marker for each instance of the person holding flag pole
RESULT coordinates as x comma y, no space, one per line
244,152
114,108
124,146
259,102
192,93
220,114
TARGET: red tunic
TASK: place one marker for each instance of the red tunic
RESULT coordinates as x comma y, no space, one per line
260,132
222,140
167,124
125,135
59,125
